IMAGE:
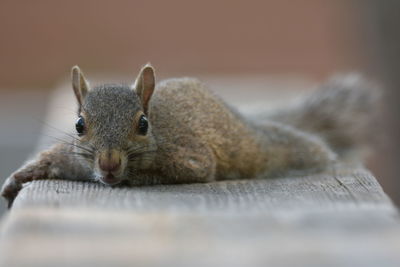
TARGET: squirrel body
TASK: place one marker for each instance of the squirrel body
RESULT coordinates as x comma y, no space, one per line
180,132
232,145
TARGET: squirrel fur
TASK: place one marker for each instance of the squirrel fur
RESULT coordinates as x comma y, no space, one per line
180,132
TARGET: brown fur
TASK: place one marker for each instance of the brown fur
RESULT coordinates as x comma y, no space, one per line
193,136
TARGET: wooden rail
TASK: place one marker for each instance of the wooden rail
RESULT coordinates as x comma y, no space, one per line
337,218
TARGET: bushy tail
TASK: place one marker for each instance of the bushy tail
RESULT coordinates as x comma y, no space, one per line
341,111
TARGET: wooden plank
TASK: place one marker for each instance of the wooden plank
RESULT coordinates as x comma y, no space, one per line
337,188
338,218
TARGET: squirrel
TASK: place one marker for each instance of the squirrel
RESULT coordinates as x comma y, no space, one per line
178,131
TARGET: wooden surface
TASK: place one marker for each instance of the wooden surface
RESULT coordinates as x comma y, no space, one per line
337,218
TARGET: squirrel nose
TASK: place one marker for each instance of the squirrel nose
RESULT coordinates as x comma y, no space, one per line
109,161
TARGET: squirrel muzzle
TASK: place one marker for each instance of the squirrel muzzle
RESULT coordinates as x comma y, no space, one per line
110,165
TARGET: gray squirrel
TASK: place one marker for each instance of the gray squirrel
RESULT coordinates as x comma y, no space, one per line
179,132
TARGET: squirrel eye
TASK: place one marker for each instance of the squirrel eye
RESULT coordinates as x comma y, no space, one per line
80,125
143,125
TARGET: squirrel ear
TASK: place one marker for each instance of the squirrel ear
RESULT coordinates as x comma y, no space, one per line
144,85
79,84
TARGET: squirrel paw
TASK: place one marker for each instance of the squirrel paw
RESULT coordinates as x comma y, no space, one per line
13,184
10,190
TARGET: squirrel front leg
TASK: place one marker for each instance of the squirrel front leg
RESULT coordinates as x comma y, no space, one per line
57,162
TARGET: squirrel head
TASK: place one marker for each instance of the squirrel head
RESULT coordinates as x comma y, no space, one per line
115,136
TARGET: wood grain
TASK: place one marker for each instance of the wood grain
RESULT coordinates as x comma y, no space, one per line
337,218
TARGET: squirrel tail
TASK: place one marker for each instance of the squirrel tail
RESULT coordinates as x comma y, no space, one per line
341,112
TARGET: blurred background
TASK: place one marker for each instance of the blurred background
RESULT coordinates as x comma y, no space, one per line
303,40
